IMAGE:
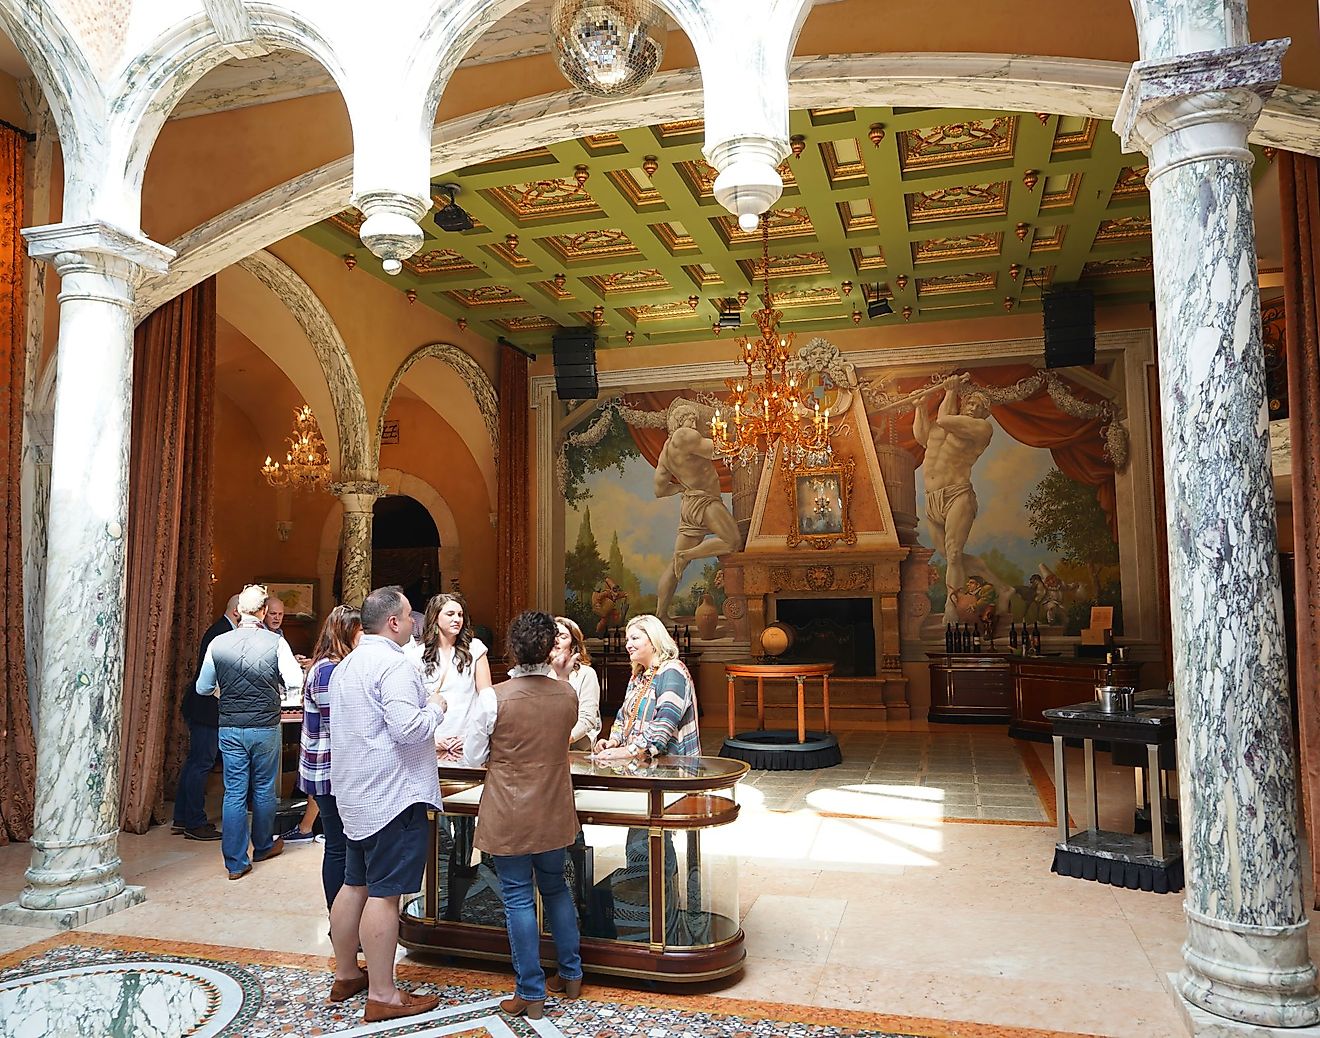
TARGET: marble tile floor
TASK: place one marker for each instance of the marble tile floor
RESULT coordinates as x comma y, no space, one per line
922,917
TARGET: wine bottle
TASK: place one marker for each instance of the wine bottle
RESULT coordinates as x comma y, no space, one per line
1012,638
1035,638
948,637
976,638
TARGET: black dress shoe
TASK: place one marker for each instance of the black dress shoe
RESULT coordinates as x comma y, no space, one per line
202,832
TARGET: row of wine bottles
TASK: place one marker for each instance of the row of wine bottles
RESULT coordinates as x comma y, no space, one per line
967,638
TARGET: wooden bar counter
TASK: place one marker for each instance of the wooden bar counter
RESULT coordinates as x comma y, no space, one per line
970,687
1048,682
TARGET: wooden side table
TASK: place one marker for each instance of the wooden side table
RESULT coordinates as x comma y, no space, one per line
800,672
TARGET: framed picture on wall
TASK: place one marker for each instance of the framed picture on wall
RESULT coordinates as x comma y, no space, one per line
298,596
818,503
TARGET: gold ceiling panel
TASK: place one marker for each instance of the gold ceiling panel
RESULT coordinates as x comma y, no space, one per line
680,131
553,291
676,311
1131,183
1123,229
486,296
796,298
958,144
1060,193
349,221
1073,134
843,162
963,246
857,215
699,177
961,202
648,279
794,265
510,257
675,237
532,323
602,243
637,188
553,199
439,261
826,116
942,284
703,274
1135,266
785,224
1048,239
604,143
868,257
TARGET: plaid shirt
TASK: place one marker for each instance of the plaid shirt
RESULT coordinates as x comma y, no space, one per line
659,713
314,760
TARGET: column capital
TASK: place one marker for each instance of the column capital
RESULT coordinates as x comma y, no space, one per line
96,243
391,229
359,495
1197,106
749,182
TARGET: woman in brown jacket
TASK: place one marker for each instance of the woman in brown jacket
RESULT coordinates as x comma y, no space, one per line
519,730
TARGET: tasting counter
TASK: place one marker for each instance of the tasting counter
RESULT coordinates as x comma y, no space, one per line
652,902
1043,683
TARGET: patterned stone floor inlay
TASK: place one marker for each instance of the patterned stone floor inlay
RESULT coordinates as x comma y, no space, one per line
101,985
968,775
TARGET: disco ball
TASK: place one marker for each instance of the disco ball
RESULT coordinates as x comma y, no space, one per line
607,47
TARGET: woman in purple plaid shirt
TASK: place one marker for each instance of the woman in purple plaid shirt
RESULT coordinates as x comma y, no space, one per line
342,631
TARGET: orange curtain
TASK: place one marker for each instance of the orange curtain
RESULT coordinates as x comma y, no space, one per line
17,747
1075,443
1299,189
168,602
651,441
513,530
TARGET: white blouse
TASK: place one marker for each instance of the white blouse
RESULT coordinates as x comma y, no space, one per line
459,690
587,686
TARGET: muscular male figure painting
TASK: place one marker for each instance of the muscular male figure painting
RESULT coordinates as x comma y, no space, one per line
959,435
706,528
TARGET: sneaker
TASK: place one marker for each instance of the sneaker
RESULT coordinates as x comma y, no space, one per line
296,835
202,832
320,837
178,830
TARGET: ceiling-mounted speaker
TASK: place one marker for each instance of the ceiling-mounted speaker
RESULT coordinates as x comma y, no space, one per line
1069,327
575,364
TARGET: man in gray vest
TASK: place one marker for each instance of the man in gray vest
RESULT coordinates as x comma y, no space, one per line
248,669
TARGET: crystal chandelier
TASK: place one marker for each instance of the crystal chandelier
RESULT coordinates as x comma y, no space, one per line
767,407
607,47
306,466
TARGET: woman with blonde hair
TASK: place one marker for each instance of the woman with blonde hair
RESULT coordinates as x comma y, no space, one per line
570,661
659,712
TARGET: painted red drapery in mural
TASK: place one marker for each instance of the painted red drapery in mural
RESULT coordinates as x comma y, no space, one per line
1075,443
651,441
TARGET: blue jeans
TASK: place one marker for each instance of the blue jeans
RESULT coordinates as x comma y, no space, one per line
516,874
251,759
190,800
332,864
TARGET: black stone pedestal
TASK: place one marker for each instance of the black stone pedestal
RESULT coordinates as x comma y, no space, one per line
779,750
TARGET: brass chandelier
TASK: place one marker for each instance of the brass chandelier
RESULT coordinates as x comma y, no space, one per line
767,407
306,465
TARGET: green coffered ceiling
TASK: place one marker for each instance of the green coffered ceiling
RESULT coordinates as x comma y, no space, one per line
952,213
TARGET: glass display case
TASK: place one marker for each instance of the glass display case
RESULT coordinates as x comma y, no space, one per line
651,901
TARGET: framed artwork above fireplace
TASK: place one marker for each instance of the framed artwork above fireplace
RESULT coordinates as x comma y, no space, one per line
818,502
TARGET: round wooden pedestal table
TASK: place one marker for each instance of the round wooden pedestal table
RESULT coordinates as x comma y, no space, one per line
782,749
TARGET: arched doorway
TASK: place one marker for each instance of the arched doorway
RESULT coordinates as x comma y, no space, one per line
405,547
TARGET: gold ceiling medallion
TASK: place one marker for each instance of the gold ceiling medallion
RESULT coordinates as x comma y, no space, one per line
550,199
965,246
1123,229
601,243
960,202
939,285
647,280
1135,266
487,295
767,406
818,499
797,264
659,312
958,144
438,261
790,222
1131,182
306,464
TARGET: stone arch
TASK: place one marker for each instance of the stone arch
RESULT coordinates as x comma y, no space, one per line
400,482
357,459
473,376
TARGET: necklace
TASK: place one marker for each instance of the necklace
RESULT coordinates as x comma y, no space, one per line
644,682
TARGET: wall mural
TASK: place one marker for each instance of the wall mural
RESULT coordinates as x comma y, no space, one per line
1013,487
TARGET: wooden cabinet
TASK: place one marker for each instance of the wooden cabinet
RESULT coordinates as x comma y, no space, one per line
970,687
1047,682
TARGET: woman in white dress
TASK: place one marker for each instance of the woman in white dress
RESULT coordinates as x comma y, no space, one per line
454,662
570,661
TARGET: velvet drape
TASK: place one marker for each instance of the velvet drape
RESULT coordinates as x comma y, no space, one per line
168,601
1075,443
1299,190
513,527
17,747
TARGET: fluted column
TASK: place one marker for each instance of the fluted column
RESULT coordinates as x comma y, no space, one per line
75,872
359,498
1246,955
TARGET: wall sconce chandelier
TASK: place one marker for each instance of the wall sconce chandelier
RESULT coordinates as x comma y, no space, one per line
767,406
306,464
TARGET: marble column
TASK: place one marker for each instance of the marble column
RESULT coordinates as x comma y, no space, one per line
1246,955
75,872
359,498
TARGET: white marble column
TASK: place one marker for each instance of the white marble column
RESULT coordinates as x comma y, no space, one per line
1246,956
359,498
75,872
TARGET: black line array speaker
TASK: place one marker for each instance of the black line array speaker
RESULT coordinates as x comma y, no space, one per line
1069,327
575,364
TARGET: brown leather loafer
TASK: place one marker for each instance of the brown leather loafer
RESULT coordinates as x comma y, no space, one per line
560,986
241,873
521,1007
408,1005
343,990
276,849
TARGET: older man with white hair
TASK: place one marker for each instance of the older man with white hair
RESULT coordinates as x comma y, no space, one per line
249,668
203,717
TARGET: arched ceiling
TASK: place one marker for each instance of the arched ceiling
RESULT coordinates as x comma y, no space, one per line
953,213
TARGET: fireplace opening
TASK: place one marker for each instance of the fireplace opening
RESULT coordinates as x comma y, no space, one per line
839,630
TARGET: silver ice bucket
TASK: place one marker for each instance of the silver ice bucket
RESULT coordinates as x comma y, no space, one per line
1115,699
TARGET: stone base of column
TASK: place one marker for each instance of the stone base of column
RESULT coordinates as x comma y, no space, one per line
14,914
1201,1024
1260,975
